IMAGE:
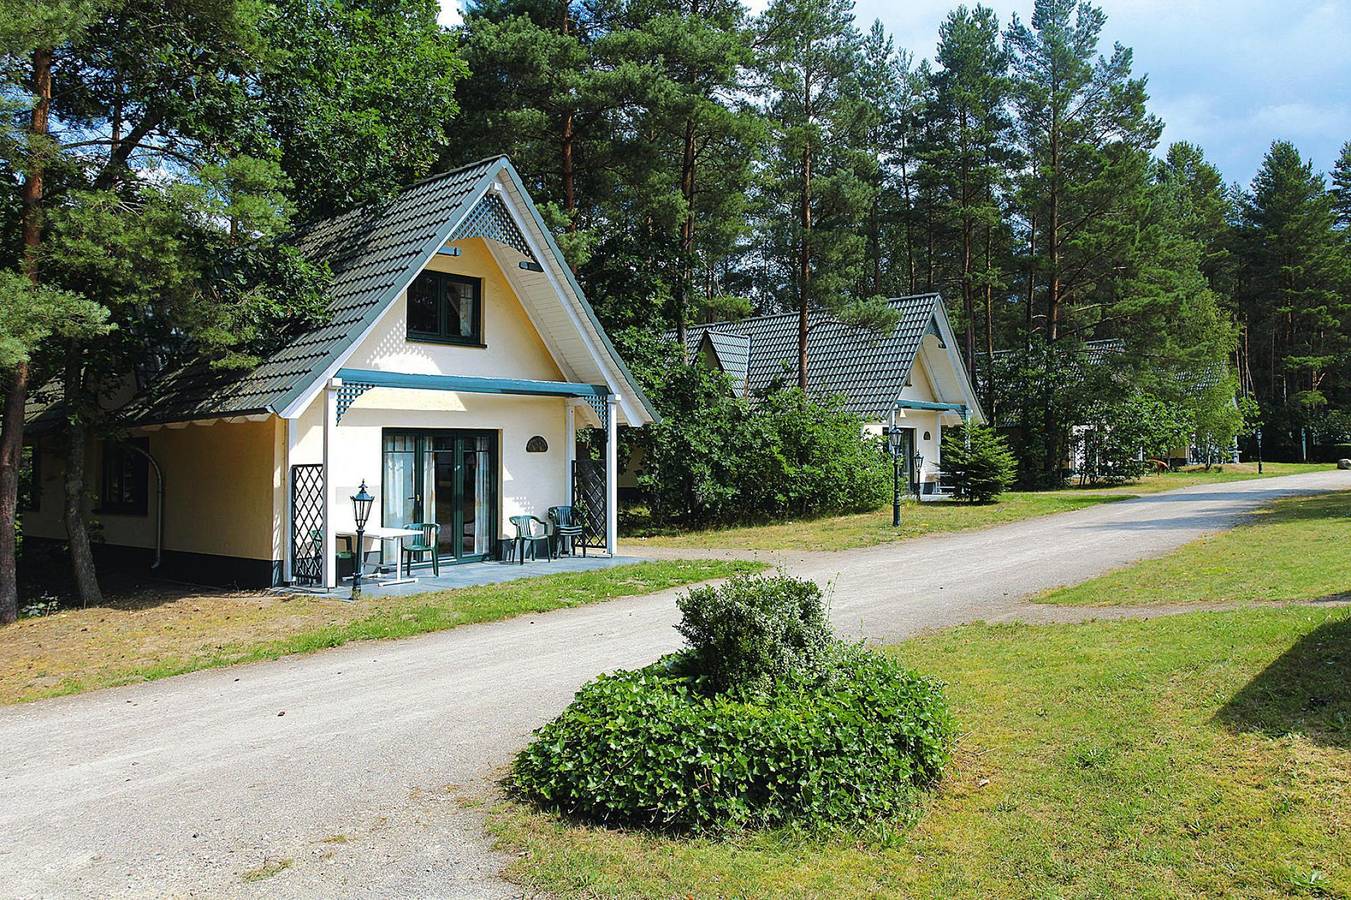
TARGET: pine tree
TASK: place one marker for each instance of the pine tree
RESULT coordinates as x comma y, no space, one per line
1086,134
977,462
1293,269
810,54
970,156
1341,186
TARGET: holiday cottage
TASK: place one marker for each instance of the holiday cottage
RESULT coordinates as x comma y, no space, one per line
910,377
458,359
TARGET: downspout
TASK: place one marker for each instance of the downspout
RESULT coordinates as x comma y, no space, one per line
159,503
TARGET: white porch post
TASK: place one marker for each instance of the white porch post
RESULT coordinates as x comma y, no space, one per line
330,488
288,509
611,475
938,441
569,447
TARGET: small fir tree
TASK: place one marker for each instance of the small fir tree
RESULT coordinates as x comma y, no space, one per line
977,463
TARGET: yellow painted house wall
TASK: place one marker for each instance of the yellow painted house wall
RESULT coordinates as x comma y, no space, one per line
221,485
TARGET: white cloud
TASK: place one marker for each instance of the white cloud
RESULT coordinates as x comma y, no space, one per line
450,13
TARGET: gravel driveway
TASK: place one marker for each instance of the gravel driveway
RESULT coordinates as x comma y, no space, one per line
342,773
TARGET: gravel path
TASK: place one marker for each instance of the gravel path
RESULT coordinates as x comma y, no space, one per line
341,773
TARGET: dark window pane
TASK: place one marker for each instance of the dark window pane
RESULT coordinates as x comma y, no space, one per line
423,312
463,309
125,479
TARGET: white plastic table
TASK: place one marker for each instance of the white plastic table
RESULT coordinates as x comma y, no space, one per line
382,534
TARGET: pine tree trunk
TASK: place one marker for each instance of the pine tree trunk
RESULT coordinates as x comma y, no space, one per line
1028,310
686,282
989,327
909,231
569,177
1053,245
804,269
968,298
805,250
11,454
16,392
77,452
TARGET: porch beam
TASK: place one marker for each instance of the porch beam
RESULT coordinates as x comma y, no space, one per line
932,407
473,384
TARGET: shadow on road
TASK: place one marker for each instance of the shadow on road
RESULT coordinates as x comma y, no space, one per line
1307,691
1330,505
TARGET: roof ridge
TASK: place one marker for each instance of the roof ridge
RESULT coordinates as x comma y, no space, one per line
311,227
454,171
815,312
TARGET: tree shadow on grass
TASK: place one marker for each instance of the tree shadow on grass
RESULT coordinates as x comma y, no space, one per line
1306,691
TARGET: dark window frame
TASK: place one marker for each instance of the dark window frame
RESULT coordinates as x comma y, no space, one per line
124,485
31,499
443,333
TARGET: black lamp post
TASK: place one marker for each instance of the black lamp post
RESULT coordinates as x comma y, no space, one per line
894,441
361,510
919,474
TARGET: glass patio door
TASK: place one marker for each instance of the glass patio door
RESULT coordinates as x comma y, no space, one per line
447,477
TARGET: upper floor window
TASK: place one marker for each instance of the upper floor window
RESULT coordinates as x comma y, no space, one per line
125,479
445,308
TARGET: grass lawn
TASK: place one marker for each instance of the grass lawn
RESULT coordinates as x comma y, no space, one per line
1199,755
153,634
1293,550
918,519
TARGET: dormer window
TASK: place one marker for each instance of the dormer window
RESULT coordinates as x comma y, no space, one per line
446,309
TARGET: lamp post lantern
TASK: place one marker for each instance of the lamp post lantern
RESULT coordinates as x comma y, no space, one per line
918,467
361,511
895,440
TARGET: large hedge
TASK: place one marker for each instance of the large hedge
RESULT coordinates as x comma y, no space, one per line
840,736
718,458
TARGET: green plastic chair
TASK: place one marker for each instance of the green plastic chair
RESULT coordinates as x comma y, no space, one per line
429,542
531,532
565,528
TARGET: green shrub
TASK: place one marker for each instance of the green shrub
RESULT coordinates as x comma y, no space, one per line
978,470
718,458
765,720
752,632
647,749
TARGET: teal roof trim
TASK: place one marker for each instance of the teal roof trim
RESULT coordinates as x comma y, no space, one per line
930,406
473,384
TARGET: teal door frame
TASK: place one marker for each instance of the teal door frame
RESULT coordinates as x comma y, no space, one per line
424,444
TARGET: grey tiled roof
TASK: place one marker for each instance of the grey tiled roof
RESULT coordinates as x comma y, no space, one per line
733,352
868,369
370,251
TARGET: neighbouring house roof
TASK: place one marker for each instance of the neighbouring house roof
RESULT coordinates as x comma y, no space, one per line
869,370
373,252
732,353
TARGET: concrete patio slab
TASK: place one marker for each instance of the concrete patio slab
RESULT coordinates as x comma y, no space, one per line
470,575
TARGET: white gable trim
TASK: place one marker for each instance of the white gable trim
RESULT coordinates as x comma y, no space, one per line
557,274
966,392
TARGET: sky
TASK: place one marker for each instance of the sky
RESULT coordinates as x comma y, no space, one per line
1229,75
